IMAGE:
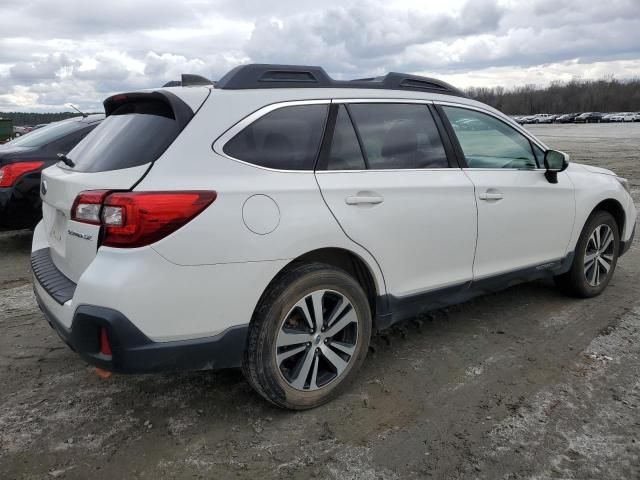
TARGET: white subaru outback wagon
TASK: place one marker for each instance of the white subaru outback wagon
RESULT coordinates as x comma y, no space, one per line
275,219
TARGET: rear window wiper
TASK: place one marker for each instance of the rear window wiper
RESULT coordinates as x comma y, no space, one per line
66,160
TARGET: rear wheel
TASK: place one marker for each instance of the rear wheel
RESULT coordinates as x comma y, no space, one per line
309,337
595,257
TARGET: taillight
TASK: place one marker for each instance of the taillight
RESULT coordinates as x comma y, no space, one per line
10,173
87,205
135,219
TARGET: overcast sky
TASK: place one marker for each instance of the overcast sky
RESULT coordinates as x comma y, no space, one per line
81,51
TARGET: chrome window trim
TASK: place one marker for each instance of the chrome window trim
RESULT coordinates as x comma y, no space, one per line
496,169
221,141
382,100
387,170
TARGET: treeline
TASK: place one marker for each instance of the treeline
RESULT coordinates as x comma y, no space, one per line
606,95
23,118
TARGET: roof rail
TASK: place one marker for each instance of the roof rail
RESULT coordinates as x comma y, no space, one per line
255,76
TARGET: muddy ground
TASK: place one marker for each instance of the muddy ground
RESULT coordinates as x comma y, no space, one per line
522,384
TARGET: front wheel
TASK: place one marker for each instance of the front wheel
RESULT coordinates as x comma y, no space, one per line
308,337
595,257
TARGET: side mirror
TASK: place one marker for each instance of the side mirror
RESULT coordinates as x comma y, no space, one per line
554,162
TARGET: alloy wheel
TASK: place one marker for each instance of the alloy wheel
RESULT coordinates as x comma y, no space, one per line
317,340
598,256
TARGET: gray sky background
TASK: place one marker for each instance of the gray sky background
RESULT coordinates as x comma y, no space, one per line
81,51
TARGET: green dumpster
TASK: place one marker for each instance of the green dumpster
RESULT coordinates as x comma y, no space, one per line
6,129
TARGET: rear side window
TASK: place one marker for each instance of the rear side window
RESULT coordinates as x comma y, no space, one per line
345,151
134,134
398,135
285,139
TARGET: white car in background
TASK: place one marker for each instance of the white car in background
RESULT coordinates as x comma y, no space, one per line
623,117
544,118
275,220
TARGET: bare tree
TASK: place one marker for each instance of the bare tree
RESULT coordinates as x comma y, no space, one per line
605,95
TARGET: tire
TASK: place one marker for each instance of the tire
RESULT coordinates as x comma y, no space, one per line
588,275
290,360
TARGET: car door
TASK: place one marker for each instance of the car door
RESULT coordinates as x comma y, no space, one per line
523,220
386,177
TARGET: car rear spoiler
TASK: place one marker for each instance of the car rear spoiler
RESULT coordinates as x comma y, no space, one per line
182,113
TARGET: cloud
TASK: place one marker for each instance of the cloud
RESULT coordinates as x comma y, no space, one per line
81,17
43,68
99,48
363,34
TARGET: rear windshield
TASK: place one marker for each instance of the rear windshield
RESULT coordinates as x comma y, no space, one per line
48,134
134,134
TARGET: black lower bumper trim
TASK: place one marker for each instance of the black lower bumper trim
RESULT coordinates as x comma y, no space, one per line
50,278
133,352
625,245
391,309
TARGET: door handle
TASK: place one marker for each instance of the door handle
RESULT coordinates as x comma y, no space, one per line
489,196
363,199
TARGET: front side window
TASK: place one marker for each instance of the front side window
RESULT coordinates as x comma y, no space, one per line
285,139
489,143
398,135
539,153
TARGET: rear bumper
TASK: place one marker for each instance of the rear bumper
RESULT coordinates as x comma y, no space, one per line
134,352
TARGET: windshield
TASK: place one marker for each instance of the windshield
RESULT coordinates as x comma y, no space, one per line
48,134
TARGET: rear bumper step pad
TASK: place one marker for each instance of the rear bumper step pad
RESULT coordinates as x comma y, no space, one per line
52,280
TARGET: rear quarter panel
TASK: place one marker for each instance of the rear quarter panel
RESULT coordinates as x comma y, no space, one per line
219,235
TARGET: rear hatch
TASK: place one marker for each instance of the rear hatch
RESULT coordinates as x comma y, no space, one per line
116,155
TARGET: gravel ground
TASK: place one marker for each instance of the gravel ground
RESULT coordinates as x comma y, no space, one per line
521,384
